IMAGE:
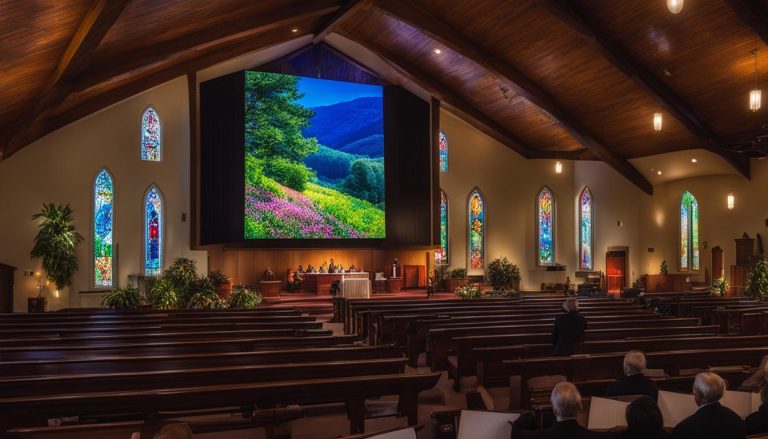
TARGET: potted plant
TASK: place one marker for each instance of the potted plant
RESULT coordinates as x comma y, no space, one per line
221,284
504,275
243,297
469,292
55,244
162,294
123,298
756,285
719,287
203,295
457,278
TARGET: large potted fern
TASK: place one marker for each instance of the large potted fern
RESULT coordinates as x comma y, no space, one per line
756,285
56,243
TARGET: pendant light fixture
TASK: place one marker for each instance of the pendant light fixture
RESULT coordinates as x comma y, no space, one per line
755,95
675,6
657,120
558,167
558,163
730,201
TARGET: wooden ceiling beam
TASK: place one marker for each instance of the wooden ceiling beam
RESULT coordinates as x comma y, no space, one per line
567,12
242,27
449,99
349,9
754,14
132,83
92,29
420,19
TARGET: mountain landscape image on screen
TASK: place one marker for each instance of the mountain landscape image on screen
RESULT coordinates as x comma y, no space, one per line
314,158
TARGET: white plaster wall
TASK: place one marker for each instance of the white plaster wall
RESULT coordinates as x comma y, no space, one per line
60,168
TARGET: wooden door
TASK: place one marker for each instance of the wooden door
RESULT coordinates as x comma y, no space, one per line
6,288
615,271
717,263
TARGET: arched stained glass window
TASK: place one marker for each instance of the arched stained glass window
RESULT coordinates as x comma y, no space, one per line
150,135
545,227
689,232
476,215
153,232
585,229
443,152
442,255
103,206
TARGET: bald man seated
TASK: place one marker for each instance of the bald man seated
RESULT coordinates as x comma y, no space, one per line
566,404
634,382
711,420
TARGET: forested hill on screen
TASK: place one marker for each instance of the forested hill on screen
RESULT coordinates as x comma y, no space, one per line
314,158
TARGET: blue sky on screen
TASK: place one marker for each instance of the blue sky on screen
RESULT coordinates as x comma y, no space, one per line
322,92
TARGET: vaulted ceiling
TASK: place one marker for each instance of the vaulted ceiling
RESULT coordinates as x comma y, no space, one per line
578,79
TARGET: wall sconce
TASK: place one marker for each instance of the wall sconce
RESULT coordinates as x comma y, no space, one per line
558,167
657,120
731,201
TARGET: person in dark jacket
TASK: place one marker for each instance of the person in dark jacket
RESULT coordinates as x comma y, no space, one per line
569,328
757,422
634,382
566,405
711,420
644,421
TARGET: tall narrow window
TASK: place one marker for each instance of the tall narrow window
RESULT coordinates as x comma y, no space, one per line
443,152
153,232
476,214
150,135
442,255
585,230
103,204
545,230
689,232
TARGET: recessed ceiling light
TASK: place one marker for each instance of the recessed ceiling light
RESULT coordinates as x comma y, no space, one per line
295,29
694,160
438,51
658,172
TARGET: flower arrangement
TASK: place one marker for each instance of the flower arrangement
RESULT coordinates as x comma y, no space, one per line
503,274
719,287
469,292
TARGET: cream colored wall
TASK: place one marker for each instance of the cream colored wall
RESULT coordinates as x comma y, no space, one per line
717,225
509,184
60,168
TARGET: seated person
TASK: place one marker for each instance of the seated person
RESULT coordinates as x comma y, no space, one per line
174,431
569,328
332,267
711,420
300,270
340,269
757,422
634,382
644,421
351,268
566,404
322,269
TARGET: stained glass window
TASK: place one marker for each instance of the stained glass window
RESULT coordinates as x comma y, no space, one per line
689,232
585,230
476,246
153,232
150,135
443,152
442,255
103,203
545,236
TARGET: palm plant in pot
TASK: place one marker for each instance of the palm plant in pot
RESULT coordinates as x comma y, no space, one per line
56,242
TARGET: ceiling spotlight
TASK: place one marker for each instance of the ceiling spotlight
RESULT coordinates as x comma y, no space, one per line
675,6
657,119
658,172
694,160
295,29
438,51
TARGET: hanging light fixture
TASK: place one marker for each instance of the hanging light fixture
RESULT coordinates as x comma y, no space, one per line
558,167
675,6
657,119
755,95
730,201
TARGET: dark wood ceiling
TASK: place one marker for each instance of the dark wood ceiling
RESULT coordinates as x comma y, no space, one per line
574,79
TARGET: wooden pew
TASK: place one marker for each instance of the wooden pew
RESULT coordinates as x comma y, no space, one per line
162,335
134,362
135,316
486,361
440,340
600,366
53,351
30,411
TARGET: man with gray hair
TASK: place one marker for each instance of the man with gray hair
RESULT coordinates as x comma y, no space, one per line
711,419
569,328
634,382
566,405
